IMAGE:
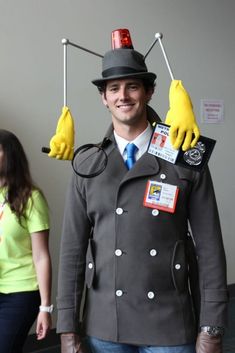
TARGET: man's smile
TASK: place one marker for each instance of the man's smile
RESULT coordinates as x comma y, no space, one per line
125,106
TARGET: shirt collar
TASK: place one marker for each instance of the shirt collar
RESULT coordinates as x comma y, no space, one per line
141,141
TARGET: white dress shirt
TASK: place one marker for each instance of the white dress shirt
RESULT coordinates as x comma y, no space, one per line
141,141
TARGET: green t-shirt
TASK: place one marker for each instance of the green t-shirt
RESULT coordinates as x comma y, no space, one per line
17,271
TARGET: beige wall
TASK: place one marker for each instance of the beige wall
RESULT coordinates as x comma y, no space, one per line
198,38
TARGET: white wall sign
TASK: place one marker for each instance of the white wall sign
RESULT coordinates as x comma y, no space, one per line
212,111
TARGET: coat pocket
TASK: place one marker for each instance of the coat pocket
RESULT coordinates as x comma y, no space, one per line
90,265
179,268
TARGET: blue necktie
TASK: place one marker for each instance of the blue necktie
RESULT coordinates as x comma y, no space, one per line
131,150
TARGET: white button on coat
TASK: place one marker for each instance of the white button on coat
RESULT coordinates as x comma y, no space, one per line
119,211
155,212
90,265
177,266
151,295
163,176
118,252
119,293
153,252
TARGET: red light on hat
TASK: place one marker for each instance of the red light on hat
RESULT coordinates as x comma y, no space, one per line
121,38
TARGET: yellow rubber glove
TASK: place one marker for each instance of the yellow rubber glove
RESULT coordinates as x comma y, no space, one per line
181,118
62,143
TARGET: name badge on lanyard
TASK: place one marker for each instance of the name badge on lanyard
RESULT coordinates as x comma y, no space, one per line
161,196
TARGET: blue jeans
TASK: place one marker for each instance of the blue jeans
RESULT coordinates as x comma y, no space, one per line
18,312
100,346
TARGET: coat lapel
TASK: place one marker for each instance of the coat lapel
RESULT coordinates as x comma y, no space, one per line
147,165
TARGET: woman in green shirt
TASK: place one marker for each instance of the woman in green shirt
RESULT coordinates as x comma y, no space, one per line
25,264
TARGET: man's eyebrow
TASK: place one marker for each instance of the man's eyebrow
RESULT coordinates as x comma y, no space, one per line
114,84
128,83
133,83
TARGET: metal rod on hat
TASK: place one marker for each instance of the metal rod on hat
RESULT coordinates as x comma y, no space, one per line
65,43
150,48
158,37
82,48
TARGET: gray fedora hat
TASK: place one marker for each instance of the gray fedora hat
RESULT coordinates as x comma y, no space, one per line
121,63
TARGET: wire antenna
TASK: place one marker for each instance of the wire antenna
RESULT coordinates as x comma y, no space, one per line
158,38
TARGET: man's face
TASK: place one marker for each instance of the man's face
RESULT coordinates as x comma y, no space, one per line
126,100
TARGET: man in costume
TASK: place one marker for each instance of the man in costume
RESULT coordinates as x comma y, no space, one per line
134,260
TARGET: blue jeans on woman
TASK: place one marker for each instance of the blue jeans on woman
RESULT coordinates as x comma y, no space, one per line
18,312
100,346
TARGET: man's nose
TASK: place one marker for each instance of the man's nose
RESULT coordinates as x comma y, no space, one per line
123,93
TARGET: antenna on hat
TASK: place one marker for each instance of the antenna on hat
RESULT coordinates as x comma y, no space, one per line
65,43
158,37
62,143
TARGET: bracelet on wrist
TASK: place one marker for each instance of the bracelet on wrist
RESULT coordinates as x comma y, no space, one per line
46,309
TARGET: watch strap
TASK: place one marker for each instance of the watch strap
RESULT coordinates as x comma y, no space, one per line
46,309
213,330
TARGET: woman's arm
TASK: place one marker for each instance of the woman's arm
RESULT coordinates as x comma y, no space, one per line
42,263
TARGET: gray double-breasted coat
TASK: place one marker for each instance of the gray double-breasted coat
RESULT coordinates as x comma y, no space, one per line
134,259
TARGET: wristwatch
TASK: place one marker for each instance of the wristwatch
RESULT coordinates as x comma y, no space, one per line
212,330
46,309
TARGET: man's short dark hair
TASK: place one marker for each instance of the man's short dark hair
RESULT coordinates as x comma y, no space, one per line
148,85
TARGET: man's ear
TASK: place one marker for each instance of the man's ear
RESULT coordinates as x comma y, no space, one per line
103,96
149,94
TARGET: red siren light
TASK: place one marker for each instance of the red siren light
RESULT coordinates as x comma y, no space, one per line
121,38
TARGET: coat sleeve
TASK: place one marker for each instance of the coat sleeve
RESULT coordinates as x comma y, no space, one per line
74,241
206,229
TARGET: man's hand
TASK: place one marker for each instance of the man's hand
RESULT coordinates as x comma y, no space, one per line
183,126
208,344
71,343
62,143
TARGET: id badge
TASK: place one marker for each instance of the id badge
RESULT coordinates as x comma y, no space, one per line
161,196
195,158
